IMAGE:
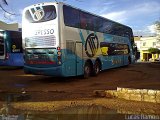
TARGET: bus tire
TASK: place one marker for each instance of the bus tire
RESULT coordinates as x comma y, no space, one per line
96,68
87,70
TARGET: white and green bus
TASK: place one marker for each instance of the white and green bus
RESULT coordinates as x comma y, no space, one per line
61,40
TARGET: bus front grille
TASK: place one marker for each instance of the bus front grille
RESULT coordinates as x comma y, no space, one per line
36,41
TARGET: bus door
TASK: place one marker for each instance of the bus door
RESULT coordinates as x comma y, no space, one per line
2,45
79,58
70,59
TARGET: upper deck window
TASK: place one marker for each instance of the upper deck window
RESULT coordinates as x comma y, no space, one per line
41,14
77,18
71,16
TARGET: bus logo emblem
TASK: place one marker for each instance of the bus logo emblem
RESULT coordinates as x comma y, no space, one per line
91,45
38,15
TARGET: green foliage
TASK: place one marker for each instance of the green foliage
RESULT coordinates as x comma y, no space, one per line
154,50
157,27
157,23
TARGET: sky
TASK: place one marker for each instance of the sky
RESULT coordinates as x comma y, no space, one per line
140,15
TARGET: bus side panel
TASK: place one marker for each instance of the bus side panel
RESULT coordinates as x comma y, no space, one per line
15,59
106,62
117,61
125,60
73,63
69,64
79,67
79,58
112,61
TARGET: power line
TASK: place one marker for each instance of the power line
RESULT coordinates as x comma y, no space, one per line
5,2
6,10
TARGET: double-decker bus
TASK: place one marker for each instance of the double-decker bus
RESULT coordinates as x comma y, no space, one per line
61,40
11,48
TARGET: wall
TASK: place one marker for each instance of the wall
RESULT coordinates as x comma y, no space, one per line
5,26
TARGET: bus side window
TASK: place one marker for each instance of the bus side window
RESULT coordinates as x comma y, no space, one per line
71,16
16,42
87,21
83,21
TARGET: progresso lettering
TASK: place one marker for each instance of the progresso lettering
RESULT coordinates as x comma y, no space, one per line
44,32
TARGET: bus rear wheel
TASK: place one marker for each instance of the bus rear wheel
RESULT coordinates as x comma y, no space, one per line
87,70
97,68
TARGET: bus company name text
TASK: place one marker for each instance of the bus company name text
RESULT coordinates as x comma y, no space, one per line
44,32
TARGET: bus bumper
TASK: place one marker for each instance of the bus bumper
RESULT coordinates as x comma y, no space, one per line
52,71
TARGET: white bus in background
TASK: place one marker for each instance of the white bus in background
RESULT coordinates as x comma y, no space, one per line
61,40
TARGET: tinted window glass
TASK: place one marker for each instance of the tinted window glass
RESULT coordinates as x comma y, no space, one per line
77,18
71,16
87,21
114,48
1,43
16,42
108,27
41,14
97,24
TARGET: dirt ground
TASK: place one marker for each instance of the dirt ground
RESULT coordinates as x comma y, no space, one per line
44,88
140,75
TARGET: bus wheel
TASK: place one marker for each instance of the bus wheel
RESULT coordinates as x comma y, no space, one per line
96,69
87,70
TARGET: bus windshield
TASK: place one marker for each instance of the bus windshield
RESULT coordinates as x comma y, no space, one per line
41,14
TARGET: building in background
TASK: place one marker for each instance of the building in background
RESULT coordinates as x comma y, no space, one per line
5,26
137,43
143,44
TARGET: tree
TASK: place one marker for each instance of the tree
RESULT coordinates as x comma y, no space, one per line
157,24
157,27
154,50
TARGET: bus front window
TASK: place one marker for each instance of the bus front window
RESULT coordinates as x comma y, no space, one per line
41,14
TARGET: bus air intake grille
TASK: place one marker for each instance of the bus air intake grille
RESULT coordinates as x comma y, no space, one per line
40,41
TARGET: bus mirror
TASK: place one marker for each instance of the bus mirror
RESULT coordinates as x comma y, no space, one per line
104,50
